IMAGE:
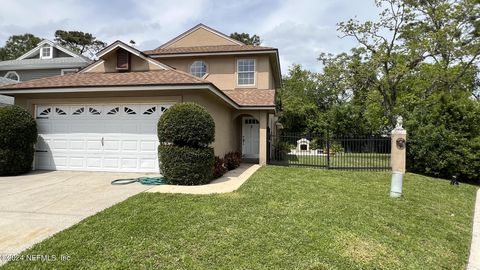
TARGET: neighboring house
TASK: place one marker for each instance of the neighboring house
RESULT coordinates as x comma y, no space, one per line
46,60
6,100
104,118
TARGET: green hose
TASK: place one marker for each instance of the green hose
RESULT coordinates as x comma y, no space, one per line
142,180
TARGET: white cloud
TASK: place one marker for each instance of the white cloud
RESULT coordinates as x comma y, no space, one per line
18,17
300,29
299,43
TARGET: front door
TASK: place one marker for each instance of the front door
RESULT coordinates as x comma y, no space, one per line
250,137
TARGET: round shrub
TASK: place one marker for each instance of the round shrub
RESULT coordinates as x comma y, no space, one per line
186,124
18,135
185,131
183,165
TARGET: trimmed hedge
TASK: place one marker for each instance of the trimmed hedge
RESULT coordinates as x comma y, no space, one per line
186,124
185,131
183,165
18,135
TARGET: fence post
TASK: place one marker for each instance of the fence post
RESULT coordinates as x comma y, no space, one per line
269,144
328,151
398,157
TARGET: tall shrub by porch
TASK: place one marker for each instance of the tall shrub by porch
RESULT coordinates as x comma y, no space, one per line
18,135
185,132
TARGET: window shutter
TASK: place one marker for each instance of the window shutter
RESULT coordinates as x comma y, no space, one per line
123,60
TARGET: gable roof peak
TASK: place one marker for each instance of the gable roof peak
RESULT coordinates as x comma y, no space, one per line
120,44
53,44
195,28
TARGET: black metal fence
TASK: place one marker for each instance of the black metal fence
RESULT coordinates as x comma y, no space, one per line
330,152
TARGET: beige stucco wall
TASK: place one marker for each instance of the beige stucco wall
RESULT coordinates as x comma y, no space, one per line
97,67
200,37
224,126
222,70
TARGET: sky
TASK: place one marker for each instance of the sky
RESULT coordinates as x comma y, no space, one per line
300,29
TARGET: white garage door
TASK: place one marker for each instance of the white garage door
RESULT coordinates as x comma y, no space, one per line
115,137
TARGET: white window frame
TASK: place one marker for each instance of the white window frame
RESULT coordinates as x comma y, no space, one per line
12,72
51,52
254,72
206,66
68,69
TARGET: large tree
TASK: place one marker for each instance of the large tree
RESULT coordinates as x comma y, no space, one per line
246,38
409,33
18,45
297,100
420,60
80,42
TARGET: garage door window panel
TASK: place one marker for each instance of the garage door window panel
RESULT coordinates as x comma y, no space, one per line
129,110
60,111
94,111
149,110
42,111
78,111
113,111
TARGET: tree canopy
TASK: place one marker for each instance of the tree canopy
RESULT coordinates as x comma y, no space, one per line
79,42
246,38
17,45
420,59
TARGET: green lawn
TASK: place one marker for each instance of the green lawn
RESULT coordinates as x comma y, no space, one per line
282,218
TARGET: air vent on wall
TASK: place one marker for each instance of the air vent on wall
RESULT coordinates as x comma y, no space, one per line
123,60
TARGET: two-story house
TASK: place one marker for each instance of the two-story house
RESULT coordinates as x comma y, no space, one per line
45,60
104,117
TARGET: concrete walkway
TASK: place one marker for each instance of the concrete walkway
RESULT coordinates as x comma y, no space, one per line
36,205
474,260
229,182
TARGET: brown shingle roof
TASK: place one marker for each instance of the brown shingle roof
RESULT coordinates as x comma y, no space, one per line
207,49
252,97
242,97
89,79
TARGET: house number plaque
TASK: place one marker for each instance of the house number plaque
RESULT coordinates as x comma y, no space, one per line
401,143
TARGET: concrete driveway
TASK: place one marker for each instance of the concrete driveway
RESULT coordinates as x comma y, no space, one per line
36,205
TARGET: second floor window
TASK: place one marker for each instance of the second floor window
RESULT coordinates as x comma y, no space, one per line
198,68
246,72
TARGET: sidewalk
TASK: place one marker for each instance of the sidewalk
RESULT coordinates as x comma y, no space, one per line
229,182
474,260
